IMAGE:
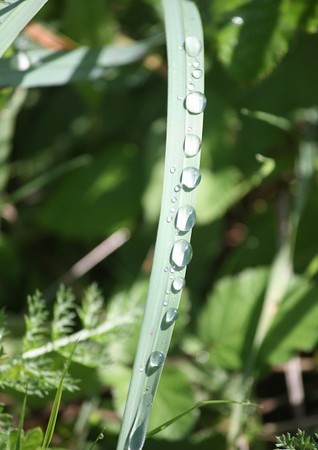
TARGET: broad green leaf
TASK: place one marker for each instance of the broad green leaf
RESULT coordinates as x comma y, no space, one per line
14,16
253,37
227,323
97,199
295,325
33,439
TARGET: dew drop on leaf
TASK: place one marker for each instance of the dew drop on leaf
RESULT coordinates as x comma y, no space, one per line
170,317
191,145
197,73
156,360
181,253
185,219
190,178
195,102
193,46
178,284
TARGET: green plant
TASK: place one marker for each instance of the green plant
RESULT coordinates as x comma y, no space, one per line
297,442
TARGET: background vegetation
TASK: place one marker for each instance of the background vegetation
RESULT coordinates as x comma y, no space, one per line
83,160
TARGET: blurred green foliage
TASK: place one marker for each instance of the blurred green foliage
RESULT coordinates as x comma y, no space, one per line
260,56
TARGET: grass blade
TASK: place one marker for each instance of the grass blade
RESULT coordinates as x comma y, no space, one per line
56,405
43,67
173,251
14,16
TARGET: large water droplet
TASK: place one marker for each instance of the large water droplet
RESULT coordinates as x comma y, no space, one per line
137,434
237,20
197,73
156,360
191,145
181,253
193,46
185,219
195,102
170,317
190,178
178,284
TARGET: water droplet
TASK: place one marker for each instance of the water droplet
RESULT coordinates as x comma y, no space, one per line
195,102
180,97
193,46
170,317
178,284
197,73
172,169
196,64
156,360
172,210
189,129
181,253
166,269
185,219
190,178
173,199
191,145
165,303
237,20
137,434
169,219
177,188
141,369
190,86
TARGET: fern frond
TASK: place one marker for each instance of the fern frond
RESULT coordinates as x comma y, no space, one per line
298,442
36,322
63,313
91,311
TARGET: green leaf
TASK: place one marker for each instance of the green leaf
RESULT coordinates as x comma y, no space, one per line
295,325
97,199
252,37
14,16
227,323
33,439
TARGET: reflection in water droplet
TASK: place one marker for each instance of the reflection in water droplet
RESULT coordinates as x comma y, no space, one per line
170,317
237,20
193,46
190,178
191,145
197,73
137,434
185,219
195,102
181,253
178,284
156,360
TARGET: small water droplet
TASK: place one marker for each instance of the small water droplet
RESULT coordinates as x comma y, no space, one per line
172,270
190,86
189,129
165,303
156,360
195,102
177,188
166,269
237,20
178,284
197,73
193,46
172,169
141,369
191,145
180,97
181,253
172,210
169,219
190,178
173,199
185,219
170,317
196,64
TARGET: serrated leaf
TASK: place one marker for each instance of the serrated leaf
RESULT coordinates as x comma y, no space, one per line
253,37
